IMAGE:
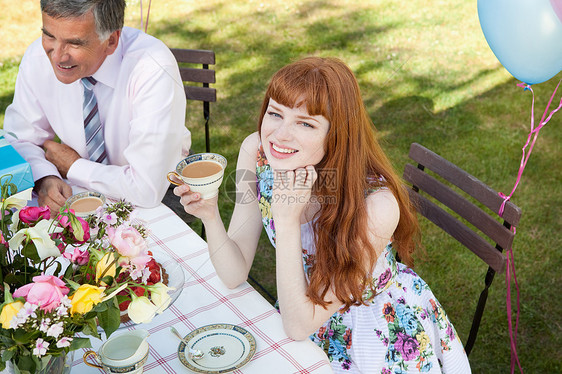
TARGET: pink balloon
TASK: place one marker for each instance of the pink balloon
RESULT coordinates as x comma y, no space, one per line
557,6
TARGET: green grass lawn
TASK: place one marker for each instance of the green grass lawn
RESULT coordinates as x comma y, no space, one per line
427,76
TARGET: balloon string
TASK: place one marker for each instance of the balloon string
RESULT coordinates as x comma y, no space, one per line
147,15
510,271
534,133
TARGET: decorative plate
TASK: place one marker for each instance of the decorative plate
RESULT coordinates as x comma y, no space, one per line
225,347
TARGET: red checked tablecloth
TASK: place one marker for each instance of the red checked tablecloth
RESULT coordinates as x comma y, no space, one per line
205,300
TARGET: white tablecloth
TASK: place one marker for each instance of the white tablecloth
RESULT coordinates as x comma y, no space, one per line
205,300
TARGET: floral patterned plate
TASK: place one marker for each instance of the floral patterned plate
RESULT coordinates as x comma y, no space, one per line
225,348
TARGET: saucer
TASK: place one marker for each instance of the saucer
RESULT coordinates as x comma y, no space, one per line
226,348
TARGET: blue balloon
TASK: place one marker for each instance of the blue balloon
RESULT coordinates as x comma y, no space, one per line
525,36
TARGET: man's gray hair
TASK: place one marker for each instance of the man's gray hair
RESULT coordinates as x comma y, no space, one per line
109,15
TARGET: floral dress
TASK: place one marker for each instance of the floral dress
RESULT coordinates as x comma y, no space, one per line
403,329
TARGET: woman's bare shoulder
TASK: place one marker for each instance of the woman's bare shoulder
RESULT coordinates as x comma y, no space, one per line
383,211
251,142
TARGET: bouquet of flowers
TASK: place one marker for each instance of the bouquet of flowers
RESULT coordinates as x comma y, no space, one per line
65,275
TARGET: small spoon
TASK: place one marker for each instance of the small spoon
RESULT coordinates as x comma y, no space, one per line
195,354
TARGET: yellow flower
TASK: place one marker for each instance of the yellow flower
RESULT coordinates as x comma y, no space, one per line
423,339
85,297
8,312
106,262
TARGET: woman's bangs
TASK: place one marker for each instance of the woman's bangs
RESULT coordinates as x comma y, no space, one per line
308,89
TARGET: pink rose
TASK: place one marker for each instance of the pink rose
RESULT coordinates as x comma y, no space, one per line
2,240
45,291
128,241
78,257
32,214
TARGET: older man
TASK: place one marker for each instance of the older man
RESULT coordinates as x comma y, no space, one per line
111,94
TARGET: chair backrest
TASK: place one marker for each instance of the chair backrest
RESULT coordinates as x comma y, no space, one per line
200,76
488,226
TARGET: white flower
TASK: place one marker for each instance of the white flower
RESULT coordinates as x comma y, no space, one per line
44,325
159,296
141,310
145,275
15,322
18,200
110,219
40,347
64,342
24,313
28,310
65,301
40,236
99,211
55,330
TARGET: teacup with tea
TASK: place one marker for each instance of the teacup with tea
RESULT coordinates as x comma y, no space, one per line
202,172
85,203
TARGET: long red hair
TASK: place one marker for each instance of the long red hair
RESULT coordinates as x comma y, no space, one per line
353,155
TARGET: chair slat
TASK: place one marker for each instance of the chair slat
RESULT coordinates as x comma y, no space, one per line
197,75
194,56
468,183
464,208
200,93
494,258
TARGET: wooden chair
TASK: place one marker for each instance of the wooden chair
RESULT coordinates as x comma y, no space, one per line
485,224
196,76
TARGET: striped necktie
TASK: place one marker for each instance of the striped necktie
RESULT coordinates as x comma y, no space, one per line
92,124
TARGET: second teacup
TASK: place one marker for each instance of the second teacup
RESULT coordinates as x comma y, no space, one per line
203,172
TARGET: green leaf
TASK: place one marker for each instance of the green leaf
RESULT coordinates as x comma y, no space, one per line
23,337
110,319
7,295
108,279
59,268
68,272
30,251
72,283
91,328
26,364
101,307
8,354
78,343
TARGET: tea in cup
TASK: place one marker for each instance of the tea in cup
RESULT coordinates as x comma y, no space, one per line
85,203
202,172
125,353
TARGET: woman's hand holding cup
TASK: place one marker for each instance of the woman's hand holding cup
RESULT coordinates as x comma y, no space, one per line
204,209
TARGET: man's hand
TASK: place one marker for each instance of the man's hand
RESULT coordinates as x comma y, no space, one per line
60,155
52,191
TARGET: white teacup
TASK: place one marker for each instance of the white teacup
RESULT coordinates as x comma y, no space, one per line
85,203
125,353
203,173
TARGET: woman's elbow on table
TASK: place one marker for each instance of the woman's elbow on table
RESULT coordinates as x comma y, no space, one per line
231,282
295,333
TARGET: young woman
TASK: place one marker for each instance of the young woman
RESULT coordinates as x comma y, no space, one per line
337,214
